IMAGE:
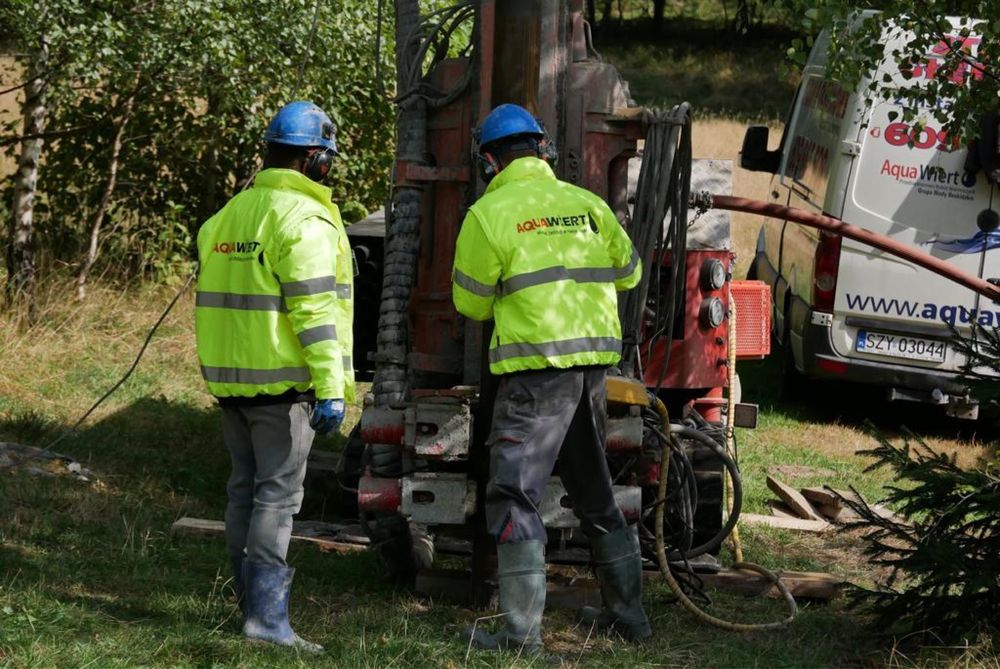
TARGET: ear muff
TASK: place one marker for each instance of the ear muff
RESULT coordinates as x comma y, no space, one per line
546,147
489,166
318,164
547,150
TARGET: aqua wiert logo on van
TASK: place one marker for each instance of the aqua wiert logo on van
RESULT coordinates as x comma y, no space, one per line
952,314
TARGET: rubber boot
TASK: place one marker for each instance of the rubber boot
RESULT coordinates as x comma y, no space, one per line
267,590
238,585
521,576
619,571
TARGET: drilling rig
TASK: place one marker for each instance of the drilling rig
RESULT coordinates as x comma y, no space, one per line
417,464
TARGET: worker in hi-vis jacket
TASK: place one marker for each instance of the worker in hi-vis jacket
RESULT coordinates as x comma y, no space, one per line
545,259
273,321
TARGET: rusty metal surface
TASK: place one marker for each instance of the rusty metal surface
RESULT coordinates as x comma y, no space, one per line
433,498
624,435
557,511
439,431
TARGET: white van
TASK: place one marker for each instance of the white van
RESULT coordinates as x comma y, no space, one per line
842,309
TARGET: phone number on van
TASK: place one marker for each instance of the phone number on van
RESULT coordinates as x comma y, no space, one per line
896,346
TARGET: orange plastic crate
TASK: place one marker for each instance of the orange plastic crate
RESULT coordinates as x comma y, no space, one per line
753,318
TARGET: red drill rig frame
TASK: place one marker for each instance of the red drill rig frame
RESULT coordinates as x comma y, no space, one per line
419,455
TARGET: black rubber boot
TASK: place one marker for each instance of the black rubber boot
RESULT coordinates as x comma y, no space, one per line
521,576
238,585
619,571
267,590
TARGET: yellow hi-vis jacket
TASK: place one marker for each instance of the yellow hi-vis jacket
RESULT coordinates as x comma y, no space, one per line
274,304
544,258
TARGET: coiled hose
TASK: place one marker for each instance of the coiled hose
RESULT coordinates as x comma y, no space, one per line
671,431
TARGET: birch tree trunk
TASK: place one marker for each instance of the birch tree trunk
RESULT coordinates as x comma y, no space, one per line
105,202
20,249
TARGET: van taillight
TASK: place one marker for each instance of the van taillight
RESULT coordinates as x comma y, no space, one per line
826,266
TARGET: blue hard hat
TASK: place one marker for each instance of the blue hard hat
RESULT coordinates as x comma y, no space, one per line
508,120
302,123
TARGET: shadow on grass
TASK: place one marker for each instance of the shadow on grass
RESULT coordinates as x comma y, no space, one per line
763,382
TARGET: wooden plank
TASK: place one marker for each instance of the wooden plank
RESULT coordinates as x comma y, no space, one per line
798,524
793,498
197,527
821,496
802,585
334,542
455,585
838,514
781,510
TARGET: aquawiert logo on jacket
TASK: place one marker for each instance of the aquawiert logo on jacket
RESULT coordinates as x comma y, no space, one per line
555,224
238,250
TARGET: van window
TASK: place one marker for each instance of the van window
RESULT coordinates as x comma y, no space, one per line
814,137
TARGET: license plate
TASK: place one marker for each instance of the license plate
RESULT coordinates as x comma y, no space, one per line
900,346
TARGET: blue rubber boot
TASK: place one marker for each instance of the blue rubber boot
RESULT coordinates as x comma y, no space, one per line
619,570
521,576
267,590
238,584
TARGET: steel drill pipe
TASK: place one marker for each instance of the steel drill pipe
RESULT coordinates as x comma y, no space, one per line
837,226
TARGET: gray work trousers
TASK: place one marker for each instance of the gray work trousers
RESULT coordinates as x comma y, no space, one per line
268,446
539,416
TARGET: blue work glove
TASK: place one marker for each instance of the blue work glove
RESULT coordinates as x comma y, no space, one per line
327,415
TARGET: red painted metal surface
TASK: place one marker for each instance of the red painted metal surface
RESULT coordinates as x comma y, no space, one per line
698,354
710,406
881,242
377,494
380,425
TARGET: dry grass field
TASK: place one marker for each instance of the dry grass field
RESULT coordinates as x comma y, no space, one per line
721,139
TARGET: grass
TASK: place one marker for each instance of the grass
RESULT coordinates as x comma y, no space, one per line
740,77
90,577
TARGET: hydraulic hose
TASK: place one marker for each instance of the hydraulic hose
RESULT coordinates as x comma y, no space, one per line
402,238
839,227
733,473
664,564
737,545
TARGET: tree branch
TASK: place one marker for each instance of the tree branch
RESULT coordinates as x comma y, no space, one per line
8,141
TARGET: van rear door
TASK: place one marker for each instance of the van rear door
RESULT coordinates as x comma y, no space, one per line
909,183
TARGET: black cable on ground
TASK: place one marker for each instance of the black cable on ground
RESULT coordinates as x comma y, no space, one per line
135,363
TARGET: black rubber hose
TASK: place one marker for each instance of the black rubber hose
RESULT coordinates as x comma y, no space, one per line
402,238
716,541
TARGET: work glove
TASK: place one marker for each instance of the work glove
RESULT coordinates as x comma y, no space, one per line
327,415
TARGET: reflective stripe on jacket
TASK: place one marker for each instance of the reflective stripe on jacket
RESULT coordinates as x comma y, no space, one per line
544,258
274,304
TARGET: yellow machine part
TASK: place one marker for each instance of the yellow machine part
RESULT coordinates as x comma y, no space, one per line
623,390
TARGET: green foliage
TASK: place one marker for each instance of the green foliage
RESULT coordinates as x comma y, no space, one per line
204,76
943,70
944,555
